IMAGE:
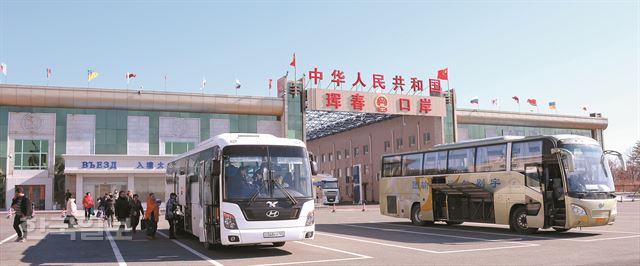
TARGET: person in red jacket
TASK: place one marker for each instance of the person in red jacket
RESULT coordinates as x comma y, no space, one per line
88,203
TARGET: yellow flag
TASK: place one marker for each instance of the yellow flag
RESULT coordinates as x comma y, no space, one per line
92,75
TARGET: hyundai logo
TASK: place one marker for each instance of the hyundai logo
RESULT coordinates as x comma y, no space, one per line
273,214
601,205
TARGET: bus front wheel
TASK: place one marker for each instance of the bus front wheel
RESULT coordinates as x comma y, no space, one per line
518,221
415,215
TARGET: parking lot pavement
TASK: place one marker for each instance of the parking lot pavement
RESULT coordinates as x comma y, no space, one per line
348,236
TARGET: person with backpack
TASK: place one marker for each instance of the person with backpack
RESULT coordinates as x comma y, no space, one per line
109,210
170,214
87,203
23,211
123,211
136,212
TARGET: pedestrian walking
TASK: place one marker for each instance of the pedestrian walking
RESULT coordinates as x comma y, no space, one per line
72,212
151,215
87,203
110,209
123,211
170,214
136,212
67,195
23,210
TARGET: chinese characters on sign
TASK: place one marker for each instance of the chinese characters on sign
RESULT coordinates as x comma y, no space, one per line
113,165
150,165
371,102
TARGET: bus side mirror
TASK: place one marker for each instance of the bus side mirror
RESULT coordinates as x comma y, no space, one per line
617,154
568,159
314,165
215,167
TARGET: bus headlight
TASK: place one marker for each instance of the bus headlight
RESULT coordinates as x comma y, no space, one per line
310,218
230,221
577,210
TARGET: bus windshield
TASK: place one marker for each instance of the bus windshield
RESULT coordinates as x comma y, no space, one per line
329,184
592,173
266,172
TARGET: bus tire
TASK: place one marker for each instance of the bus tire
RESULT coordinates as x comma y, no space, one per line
561,230
415,215
518,221
278,244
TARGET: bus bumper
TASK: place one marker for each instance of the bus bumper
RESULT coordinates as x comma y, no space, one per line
585,212
257,236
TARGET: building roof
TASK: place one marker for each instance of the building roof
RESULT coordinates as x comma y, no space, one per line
141,100
322,123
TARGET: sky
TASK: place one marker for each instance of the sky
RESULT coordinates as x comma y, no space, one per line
576,53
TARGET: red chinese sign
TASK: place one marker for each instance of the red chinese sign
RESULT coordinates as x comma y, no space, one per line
434,87
371,102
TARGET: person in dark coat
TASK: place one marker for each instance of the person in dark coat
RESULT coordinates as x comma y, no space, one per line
110,209
136,212
170,214
123,211
23,211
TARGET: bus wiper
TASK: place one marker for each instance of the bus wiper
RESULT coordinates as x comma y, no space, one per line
255,195
286,193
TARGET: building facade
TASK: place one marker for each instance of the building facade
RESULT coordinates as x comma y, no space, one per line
365,145
54,139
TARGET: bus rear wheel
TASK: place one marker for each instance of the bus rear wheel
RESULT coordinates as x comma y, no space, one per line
278,244
518,221
415,215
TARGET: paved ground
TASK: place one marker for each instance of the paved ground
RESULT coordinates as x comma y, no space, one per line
346,237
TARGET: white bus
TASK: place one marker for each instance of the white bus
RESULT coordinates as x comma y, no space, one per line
330,190
239,189
558,182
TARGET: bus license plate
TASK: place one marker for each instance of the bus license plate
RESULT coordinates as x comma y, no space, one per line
273,234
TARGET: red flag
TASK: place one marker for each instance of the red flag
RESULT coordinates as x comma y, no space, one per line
49,73
515,98
532,102
443,74
270,83
293,61
281,83
131,75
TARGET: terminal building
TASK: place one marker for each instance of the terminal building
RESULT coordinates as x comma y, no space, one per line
344,140
54,139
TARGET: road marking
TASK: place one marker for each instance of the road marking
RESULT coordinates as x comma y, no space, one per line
8,238
377,243
358,256
606,231
115,249
202,256
442,235
521,236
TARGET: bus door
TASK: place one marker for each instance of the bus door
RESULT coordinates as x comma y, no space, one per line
210,203
534,199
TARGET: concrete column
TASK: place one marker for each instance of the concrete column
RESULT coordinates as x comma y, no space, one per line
130,183
79,194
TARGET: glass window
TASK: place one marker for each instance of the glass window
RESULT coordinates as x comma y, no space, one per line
387,146
178,147
366,169
346,153
145,185
412,164
30,154
412,141
435,163
339,172
461,161
524,153
399,143
324,159
338,155
492,158
391,166
365,149
356,152
426,137
330,157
